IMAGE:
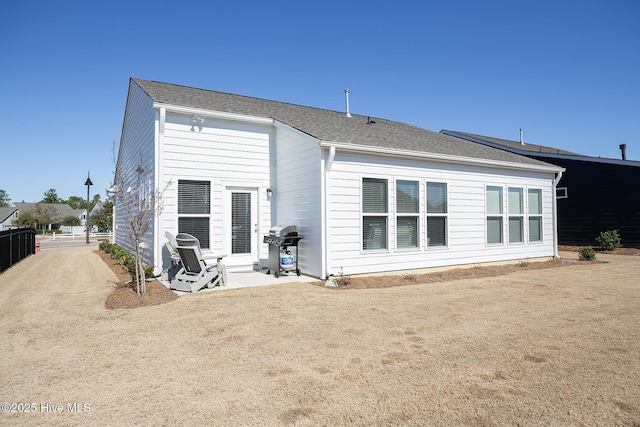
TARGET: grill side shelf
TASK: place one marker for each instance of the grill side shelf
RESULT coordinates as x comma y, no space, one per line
281,241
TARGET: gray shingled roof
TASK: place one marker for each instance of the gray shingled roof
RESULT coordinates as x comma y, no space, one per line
327,125
6,212
514,145
63,209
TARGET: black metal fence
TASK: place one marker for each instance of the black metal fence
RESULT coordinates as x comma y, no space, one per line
15,245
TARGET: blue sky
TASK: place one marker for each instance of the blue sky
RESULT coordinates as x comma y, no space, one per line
567,72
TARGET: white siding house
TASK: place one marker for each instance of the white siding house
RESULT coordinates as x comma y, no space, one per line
59,212
7,215
367,195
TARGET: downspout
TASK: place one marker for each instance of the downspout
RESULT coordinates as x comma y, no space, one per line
555,214
327,211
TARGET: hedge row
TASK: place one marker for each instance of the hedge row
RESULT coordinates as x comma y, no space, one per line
124,258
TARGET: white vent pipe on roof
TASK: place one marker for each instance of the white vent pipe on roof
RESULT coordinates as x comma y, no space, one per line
521,137
346,96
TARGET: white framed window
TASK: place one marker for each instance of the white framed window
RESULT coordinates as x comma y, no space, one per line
534,202
515,203
495,215
375,214
194,209
561,193
437,212
407,214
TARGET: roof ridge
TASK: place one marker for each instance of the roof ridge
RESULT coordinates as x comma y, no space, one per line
249,97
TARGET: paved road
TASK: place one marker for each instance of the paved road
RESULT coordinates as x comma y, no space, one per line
49,243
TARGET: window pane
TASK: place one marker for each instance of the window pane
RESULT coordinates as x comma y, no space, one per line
494,230
494,200
374,232
516,201
240,223
515,230
197,227
194,197
407,196
535,229
436,197
374,195
407,231
535,202
436,231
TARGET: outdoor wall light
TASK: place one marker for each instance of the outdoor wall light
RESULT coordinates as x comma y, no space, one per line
269,192
196,120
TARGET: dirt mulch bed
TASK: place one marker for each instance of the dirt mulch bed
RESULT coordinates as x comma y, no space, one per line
369,282
617,251
125,296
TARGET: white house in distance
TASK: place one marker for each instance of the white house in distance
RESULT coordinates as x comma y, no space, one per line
62,211
368,194
7,215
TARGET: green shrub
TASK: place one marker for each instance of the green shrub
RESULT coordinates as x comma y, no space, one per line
125,259
119,254
586,254
105,246
130,265
45,232
148,271
609,240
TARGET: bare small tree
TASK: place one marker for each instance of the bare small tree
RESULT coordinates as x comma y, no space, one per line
141,202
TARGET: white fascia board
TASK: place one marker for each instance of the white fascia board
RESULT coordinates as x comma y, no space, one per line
441,158
211,114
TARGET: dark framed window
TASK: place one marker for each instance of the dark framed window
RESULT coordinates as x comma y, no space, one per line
194,210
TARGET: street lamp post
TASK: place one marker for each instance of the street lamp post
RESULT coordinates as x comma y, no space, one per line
88,183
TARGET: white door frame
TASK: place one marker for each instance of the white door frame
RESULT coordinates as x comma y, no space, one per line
251,259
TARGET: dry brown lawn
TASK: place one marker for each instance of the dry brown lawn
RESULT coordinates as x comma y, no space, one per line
553,346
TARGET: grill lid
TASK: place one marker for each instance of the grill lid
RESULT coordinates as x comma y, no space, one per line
283,230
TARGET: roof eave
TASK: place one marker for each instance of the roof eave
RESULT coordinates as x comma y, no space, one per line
549,155
179,109
442,158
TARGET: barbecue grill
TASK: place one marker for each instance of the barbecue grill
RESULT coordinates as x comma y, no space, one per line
280,238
